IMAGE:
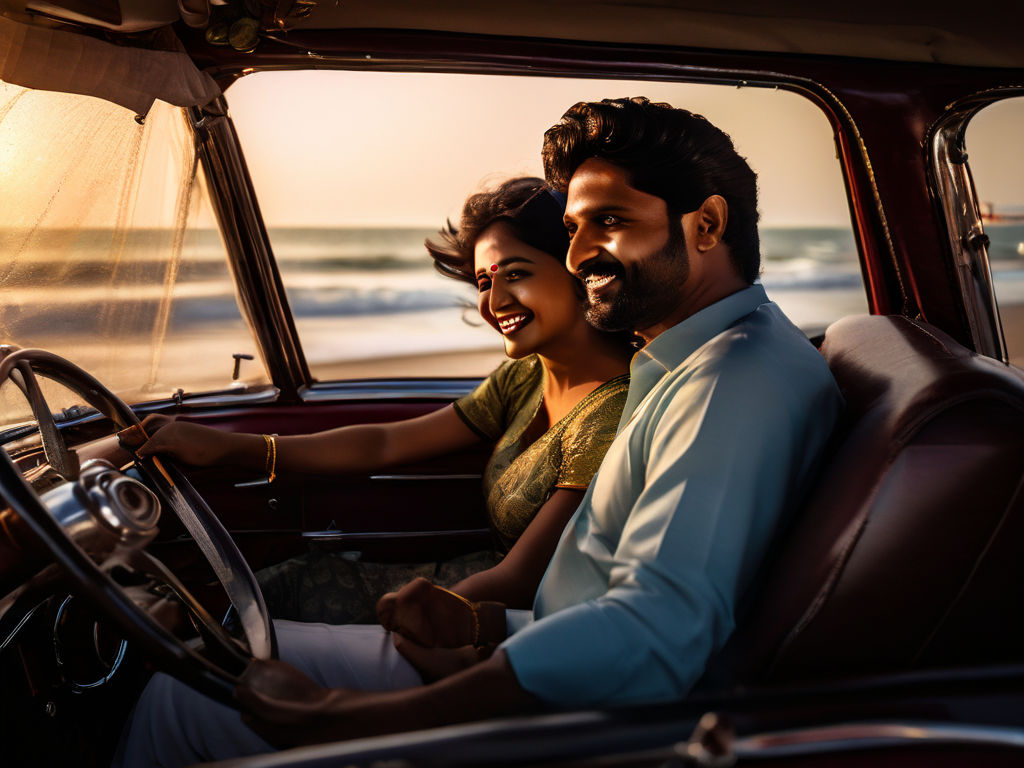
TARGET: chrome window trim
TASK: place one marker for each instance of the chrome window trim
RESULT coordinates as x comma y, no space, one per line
388,389
968,242
267,394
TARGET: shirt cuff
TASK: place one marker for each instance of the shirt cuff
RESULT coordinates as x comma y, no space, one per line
516,619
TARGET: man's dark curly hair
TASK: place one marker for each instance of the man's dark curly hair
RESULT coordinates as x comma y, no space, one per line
526,204
670,153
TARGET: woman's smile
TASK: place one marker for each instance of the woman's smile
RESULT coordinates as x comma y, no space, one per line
526,294
509,324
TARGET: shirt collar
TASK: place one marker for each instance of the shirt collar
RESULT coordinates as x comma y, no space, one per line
670,348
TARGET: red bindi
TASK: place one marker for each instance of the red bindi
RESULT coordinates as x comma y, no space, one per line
494,267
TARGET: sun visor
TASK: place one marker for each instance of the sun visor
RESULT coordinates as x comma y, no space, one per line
59,60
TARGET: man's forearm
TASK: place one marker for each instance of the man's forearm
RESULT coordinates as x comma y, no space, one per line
488,689
288,709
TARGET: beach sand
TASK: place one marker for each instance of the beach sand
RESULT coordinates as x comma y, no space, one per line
1012,316
472,363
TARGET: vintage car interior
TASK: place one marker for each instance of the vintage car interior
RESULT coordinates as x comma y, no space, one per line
215,209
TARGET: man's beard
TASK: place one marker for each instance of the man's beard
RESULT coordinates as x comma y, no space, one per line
648,288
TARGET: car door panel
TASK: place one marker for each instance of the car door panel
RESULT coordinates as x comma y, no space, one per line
416,511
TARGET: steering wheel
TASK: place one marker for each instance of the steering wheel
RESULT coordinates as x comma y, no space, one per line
100,519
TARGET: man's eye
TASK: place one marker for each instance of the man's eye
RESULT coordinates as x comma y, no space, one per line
609,221
483,285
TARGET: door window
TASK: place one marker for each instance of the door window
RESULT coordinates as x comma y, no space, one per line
997,165
354,169
111,255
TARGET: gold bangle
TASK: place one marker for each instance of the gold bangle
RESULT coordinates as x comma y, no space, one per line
270,463
472,609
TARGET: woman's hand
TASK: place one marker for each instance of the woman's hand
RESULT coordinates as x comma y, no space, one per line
428,615
433,617
190,443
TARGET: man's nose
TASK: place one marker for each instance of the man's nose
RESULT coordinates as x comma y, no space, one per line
581,249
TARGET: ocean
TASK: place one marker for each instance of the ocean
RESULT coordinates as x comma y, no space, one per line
355,293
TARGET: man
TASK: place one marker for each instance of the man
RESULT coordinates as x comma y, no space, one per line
728,409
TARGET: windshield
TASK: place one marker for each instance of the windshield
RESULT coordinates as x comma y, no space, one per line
111,255
355,169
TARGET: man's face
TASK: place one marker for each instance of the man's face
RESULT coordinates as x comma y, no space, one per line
630,254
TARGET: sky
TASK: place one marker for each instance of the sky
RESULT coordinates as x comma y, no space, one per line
336,148
996,154
344,148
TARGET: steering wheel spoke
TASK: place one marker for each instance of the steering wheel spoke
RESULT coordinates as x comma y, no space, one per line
63,461
220,646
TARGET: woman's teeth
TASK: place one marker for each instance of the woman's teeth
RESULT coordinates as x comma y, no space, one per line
513,323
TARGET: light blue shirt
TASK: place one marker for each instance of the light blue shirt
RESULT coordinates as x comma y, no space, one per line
726,416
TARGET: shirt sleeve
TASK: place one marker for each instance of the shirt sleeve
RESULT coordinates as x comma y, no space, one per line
484,410
720,459
587,439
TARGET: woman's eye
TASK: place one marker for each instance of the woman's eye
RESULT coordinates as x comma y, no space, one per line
516,274
483,285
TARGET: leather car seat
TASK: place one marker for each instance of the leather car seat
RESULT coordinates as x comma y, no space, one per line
909,550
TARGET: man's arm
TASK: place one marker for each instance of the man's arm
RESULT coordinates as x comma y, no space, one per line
717,459
288,709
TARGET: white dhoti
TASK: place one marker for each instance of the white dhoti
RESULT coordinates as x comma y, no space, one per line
174,726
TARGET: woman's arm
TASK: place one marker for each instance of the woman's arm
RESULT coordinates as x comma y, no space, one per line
433,616
355,448
515,579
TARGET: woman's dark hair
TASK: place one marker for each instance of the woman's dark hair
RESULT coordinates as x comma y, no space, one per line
670,153
527,204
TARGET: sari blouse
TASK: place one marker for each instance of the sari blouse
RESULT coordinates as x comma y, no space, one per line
521,476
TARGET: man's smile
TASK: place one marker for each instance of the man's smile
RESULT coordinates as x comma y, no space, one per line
599,273
509,324
595,282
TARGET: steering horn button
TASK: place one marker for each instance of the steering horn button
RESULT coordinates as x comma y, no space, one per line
105,506
138,506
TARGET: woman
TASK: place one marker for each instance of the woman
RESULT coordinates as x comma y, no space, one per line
551,410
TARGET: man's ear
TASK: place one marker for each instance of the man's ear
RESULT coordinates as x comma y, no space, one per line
711,218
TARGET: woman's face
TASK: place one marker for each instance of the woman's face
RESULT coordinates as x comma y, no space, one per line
525,294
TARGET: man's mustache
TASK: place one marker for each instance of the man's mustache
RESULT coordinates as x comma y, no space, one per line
601,265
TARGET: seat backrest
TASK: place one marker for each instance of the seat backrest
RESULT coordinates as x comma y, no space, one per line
909,551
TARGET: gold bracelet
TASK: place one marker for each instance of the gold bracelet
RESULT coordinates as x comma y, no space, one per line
472,609
270,463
